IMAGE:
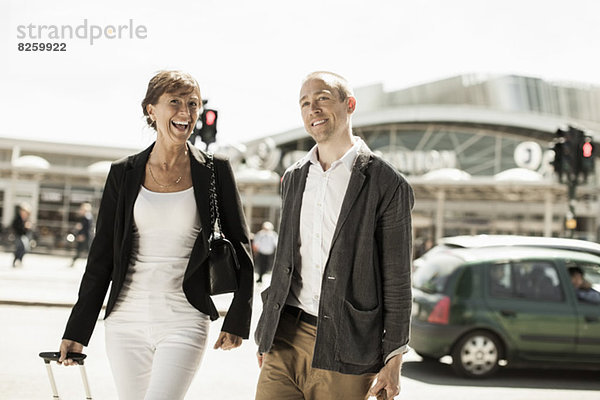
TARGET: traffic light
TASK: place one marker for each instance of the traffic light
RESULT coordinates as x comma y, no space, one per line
209,126
587,156
569,159
557,147
206,126
574,154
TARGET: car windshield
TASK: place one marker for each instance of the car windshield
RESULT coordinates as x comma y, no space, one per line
432,275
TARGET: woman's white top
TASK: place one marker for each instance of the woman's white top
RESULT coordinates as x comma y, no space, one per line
166,226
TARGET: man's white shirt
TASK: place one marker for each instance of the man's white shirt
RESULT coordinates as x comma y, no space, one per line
321,205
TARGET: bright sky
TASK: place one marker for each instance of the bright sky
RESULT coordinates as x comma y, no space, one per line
250,56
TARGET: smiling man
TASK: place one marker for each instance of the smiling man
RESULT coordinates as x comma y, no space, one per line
337,314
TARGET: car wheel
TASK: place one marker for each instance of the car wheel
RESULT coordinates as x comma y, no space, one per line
476,354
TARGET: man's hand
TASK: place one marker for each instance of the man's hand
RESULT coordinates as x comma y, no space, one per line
228,341
69,346
260,357
388,378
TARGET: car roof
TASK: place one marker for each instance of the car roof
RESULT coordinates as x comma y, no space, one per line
500,253
475,241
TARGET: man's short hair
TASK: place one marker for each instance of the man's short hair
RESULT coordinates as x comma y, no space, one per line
338,82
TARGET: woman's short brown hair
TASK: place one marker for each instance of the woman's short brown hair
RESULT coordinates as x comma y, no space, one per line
167,82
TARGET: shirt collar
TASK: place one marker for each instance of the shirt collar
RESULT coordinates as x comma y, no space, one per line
347,159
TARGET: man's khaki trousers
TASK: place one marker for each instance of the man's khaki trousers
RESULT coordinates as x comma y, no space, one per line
286,373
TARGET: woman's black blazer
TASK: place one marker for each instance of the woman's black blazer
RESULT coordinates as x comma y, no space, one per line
110,251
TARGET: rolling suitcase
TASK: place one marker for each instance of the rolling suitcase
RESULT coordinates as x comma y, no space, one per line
78,358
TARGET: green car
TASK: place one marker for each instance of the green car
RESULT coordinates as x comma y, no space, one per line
512,306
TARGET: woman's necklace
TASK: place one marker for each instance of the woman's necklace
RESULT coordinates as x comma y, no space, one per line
160,184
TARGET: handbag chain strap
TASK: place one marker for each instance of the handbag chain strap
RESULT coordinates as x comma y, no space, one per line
215,218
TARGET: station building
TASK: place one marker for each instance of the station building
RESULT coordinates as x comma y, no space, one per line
475,148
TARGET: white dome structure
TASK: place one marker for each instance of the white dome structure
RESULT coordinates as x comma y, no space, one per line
447,174
99,168
31,162
252,175
518,175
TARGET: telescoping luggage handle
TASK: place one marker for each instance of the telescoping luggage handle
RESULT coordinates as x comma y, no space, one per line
78,358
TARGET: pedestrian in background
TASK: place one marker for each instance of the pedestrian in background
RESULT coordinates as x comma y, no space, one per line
151,245
21,226
337,314
264,246
83,231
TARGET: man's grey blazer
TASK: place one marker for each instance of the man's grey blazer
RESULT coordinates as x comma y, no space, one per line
365,303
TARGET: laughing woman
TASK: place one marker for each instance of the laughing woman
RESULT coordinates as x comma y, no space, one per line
151,245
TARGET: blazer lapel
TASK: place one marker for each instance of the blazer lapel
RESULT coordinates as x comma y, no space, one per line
357,180
134,178
297,185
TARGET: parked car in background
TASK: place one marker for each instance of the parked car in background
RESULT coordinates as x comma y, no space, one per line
511,305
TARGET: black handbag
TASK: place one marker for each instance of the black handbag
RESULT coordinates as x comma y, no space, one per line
223,265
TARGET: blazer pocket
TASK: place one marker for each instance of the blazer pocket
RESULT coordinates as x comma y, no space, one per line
359,339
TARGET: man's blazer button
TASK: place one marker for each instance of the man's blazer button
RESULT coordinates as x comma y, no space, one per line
288,270
276,306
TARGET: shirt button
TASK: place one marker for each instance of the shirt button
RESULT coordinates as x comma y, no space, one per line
317,266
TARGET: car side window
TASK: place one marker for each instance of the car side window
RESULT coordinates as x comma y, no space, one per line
531,280
591,272
500,282
585,280
537,280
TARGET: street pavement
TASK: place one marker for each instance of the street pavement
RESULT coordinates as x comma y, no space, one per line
35,302
51,281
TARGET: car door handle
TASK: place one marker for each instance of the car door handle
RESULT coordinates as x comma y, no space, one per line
508,313
589,318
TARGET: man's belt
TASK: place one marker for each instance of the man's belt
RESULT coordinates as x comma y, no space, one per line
300,314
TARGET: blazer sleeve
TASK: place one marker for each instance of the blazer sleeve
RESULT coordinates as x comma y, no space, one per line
394,238
237,320
98,271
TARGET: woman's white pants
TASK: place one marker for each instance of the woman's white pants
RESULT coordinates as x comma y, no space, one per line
155,360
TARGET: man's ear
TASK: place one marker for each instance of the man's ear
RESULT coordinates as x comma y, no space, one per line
351,104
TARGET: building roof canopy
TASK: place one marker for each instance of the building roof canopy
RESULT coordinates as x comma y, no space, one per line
447,174
519,175
31,162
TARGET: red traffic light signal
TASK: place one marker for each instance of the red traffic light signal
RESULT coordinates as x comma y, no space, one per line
587,150
210,117
587,156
